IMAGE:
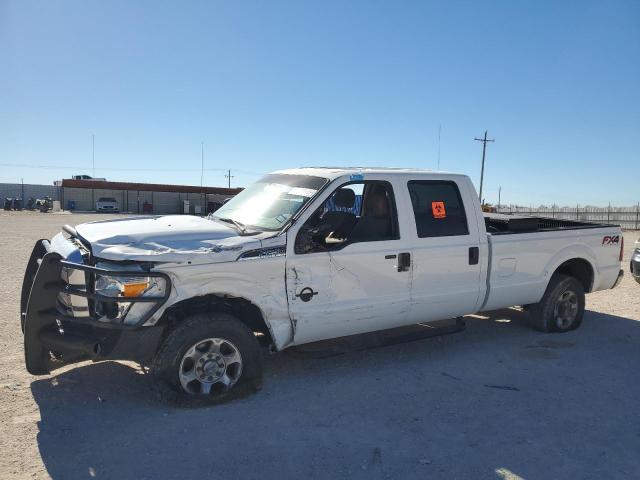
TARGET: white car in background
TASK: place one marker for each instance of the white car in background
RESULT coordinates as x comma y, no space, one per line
107,204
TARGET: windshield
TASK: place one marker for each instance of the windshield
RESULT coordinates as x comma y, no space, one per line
106,199
271,201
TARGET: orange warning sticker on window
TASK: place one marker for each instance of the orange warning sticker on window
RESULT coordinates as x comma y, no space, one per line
438,210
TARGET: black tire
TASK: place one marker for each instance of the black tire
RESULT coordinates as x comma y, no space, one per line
548,314
166,365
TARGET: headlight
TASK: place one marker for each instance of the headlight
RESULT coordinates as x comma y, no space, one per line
113,286
126,287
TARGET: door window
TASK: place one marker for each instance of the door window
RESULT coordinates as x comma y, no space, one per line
354,212
437,208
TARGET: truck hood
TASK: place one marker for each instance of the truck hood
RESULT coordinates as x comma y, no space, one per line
171,238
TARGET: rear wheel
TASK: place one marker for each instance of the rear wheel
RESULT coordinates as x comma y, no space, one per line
208,359
561,308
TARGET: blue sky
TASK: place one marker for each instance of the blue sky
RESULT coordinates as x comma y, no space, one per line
270,85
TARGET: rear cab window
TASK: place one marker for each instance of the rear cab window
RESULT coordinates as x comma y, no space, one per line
437,208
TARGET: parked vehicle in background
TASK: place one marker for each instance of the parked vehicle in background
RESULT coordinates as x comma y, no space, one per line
107,204
44,204
87,177
300,256
13,203
635,262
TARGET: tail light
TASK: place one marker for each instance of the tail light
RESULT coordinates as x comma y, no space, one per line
621,248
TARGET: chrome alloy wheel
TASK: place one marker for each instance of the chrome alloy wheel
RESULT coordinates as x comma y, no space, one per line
566,310
211,365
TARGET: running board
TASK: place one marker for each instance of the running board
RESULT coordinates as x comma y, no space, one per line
382,338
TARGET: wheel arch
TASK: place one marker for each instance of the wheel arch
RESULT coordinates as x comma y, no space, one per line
246,311
579,268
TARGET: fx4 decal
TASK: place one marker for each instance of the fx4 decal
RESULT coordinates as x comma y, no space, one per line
611,240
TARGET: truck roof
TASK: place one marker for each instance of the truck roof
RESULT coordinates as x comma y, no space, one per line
334,172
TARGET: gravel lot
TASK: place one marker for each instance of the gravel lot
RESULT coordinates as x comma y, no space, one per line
496,401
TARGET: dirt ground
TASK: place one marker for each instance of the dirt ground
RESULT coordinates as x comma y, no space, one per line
496,401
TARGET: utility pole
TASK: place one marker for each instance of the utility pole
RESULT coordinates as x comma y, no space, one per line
499,195
201,164
439,132
484,150
229,176
93,155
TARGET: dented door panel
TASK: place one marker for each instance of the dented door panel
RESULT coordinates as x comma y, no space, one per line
354,290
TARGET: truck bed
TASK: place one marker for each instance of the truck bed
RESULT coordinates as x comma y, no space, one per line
525,251
506,224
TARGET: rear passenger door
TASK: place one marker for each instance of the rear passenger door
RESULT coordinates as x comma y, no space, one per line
445,250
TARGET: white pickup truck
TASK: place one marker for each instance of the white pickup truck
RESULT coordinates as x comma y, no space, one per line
301,255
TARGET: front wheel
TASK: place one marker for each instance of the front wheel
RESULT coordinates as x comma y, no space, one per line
208,359
561,308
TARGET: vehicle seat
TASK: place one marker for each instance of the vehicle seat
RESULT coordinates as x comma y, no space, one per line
340,222
375,224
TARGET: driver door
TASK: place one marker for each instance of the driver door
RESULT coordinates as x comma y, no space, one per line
349,287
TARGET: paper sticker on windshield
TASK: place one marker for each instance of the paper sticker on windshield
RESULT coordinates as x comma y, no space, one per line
303,192
438,210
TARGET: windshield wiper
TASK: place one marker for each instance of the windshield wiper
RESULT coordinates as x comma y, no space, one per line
240,226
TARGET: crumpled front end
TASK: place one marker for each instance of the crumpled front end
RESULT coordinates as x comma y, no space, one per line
170,238
72,310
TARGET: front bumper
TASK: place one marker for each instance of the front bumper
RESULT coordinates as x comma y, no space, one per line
53,338
634,265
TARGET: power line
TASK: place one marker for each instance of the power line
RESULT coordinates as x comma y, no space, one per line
116,169
246,172
484,149
127,169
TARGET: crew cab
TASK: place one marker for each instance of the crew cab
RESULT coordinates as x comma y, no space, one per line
302,255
